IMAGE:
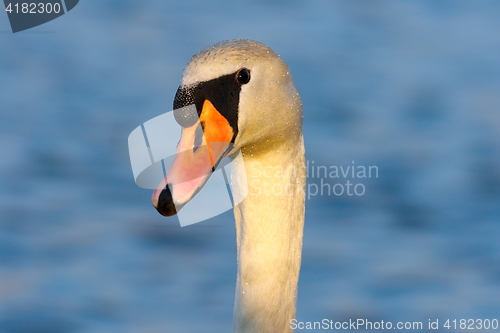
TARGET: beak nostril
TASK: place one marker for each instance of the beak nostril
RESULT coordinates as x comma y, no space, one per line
198,137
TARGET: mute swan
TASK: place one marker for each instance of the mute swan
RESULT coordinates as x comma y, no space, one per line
246,99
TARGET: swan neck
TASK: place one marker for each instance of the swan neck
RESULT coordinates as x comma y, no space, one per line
269,228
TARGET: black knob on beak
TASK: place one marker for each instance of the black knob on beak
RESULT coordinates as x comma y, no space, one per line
186,116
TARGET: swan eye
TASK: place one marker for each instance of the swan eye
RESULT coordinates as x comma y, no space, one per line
243,76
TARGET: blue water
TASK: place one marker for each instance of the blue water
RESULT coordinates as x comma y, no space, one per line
412,88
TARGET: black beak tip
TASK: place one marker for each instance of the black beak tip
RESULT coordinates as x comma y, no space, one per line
166,205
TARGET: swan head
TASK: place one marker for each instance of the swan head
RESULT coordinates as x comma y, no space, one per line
234,95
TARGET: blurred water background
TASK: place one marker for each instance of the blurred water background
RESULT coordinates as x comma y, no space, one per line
410,87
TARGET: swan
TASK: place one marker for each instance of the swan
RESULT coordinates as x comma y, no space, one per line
246,101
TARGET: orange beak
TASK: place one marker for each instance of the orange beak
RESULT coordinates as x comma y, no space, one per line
200,149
